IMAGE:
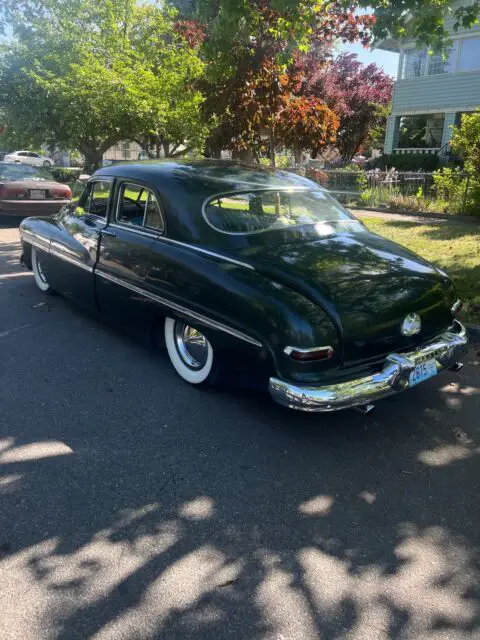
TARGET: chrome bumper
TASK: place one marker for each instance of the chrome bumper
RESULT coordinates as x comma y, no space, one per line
447,349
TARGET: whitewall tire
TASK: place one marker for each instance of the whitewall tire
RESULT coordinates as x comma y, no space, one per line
39,273
191,354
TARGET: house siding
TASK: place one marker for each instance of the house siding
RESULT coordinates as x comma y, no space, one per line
446,92
391,134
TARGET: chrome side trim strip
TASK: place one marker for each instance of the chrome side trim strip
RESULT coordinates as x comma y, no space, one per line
194,247
35,240
62,248
74,261
181,309
207,252
47,245
126,227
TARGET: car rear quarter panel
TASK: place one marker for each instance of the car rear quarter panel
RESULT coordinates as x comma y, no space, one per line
239,297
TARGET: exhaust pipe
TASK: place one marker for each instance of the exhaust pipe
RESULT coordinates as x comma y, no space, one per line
456,367
365,409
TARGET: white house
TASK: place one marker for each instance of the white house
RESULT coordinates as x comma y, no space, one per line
431,93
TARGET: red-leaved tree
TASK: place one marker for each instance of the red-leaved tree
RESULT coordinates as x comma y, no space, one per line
356,92
307,124
253,88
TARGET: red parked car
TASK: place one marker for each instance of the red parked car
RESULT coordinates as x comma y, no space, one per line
26,191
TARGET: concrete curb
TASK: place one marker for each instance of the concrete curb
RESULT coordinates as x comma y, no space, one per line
449,217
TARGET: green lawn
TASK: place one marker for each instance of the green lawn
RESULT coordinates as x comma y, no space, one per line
453,247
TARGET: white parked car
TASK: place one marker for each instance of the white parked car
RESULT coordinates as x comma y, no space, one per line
29,157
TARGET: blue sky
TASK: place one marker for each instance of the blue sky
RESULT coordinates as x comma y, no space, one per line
385,59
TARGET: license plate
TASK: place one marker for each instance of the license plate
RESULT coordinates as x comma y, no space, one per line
423,371
38,194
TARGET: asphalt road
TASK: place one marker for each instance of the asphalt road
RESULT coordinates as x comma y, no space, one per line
135,507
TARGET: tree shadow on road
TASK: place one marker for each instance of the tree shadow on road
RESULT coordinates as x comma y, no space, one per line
247,522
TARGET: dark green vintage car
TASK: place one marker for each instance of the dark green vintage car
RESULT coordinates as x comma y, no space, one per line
246,271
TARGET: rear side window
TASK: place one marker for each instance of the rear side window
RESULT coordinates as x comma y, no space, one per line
139,207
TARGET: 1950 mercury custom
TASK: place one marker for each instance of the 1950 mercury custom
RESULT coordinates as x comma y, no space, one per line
244,268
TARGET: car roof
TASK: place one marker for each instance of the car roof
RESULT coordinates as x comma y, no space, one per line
214,175
185,186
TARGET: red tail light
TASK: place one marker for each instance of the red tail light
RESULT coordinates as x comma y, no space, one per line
62,191
309,355
13,192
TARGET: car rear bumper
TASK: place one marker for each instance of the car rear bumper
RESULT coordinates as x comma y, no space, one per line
31,207
446,349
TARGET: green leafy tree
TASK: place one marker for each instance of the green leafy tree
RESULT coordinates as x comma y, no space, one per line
466,141
168,67
87,74
423,22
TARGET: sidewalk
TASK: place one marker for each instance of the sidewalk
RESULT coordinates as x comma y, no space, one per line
421,218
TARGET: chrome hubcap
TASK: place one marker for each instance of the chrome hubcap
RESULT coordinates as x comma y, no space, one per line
192,346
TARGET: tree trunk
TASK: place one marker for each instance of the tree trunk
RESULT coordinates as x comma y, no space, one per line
93,159
298,156
166,149
182,152
243,156
272,146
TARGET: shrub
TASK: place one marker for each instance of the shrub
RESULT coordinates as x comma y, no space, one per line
64,174
451,185
466,141
405,162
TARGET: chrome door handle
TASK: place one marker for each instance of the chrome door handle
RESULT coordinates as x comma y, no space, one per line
107,232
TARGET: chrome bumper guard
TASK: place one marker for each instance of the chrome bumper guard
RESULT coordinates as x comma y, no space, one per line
447,349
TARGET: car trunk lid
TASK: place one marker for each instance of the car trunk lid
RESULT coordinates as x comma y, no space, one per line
35,189
366,283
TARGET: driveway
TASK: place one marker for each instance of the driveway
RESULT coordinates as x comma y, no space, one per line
135,507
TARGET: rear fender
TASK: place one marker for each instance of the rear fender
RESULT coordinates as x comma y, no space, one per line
272,314
38,233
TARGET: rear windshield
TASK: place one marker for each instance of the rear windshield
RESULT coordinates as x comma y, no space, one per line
9,172
257,211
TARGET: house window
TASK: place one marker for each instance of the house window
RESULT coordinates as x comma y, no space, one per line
414,63
421,131
438,65
469,58
126,150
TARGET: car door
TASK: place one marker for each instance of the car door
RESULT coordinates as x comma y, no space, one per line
34,159
22,156
74,248
136,220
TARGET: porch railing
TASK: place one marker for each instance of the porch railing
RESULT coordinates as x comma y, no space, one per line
426,151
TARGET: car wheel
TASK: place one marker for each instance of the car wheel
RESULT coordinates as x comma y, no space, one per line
191,354
47,163
39,273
